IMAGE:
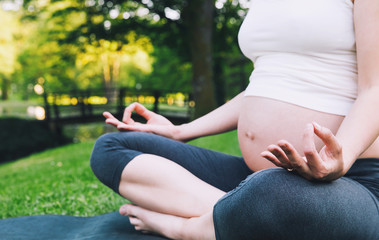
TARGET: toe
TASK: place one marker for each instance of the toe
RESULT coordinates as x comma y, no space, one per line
135,221
124,210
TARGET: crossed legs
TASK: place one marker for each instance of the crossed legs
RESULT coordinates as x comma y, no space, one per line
155,183
176,185
173,227
172,184
170,200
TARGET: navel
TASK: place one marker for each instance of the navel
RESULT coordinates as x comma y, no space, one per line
250,135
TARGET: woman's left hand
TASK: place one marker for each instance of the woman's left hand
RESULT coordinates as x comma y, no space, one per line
326,165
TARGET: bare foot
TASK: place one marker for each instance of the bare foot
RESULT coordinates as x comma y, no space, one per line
152,222
173,227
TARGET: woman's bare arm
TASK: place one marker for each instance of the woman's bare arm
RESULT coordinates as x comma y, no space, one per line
222,119
361,127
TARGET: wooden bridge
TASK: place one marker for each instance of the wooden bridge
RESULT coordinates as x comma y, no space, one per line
87,106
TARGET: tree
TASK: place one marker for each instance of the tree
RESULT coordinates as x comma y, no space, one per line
42,59
8,48
163,77
231,68
112,54
84,61
185,26
199,19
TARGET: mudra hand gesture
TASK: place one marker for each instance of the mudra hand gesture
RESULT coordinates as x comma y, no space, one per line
326,165
155,123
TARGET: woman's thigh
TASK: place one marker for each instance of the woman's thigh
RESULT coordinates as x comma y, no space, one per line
277,204
113,151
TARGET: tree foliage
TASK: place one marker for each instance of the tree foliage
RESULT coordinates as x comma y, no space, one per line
191,45
8,50
49,53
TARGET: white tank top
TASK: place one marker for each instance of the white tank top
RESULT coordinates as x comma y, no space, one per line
303,52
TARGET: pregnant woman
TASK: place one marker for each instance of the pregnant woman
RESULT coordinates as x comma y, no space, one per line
307,127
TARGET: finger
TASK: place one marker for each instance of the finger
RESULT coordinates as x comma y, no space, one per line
144,112
272,158
151,128
132,127
110,119
127,116
297,162
123,126
280,155
328,138
310,152
113,122
108,115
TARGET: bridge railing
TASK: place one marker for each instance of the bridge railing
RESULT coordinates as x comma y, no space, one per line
88,105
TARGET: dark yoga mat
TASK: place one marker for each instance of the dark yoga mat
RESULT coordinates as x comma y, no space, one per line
111,226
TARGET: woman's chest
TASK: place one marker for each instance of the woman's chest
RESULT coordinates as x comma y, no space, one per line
297,26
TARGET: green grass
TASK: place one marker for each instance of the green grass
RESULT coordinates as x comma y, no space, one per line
60,181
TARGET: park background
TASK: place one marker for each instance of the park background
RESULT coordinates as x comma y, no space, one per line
59,58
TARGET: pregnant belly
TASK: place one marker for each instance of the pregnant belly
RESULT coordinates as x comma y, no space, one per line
265,121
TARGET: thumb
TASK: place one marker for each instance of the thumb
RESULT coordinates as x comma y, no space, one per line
133,127
328,138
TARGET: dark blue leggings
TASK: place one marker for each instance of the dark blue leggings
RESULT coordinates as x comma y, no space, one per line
269,204
113,151
277,204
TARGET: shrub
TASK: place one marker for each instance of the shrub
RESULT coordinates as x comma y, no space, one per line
20,137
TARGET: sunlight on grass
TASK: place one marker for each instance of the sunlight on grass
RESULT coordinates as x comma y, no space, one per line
60,181
57,181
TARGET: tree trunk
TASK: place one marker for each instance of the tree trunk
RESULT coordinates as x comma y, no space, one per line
219,82
4,89
108,83
199,20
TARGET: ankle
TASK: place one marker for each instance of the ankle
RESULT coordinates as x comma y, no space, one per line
183,233
198,228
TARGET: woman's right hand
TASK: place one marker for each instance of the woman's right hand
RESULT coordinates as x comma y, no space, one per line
156,123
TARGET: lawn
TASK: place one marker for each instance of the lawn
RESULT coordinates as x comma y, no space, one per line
60,181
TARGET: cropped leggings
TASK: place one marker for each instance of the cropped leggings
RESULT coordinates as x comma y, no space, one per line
268,204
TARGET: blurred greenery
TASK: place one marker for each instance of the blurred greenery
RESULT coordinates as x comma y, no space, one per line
60,181
64,45
71,44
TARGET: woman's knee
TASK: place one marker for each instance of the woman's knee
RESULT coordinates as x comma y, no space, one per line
116,143
106,141
110,155
276,204
102,146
